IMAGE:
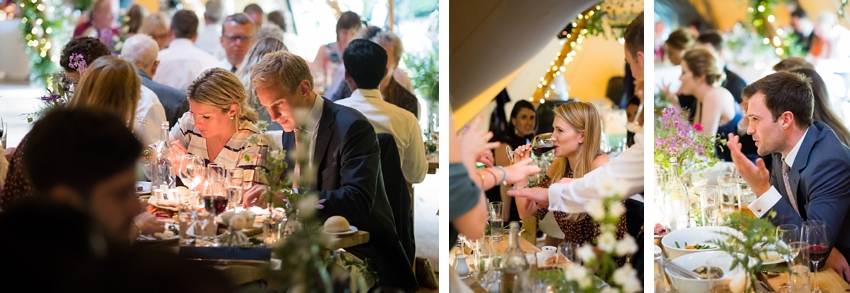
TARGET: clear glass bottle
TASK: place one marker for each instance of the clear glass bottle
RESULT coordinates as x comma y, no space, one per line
676,205
162,176
515,268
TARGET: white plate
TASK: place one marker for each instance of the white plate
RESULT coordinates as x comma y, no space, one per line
350,231
146,187
771,257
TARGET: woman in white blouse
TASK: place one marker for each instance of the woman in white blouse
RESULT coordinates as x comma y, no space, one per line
219,122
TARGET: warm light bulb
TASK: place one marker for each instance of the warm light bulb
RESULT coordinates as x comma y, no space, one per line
761,8
771,18
766,41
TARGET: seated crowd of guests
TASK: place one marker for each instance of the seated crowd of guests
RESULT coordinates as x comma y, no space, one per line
212,106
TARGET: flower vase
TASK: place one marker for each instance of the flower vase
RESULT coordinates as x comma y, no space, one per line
271,230
290,225
234,237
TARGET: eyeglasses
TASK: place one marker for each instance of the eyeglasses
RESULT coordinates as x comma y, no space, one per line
233,39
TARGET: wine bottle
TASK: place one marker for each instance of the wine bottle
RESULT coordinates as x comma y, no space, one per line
162,176
515,268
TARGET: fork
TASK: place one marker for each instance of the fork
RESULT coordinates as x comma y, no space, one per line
680,270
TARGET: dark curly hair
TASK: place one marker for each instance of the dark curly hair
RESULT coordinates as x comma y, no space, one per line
91,49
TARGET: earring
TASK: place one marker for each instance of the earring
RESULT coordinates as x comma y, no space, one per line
231,117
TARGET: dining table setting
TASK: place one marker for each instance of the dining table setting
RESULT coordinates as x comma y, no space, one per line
703,226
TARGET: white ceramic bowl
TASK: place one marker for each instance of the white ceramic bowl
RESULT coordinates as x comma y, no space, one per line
701,235
735,278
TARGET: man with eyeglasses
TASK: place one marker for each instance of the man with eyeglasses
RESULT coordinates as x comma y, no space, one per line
182,61
237,37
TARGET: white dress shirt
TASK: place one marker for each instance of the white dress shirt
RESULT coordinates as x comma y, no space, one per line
312,125
181,63
209,40
762,205
389,118
223,63
626,170
149,117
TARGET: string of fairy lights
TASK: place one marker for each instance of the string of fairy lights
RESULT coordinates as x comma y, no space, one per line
38,30
575,34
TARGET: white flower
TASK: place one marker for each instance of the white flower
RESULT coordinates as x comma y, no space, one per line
626,246
575,272
632,286
607,241
300,116
307,207
609,290
606,186
585,252
607,227
622,275
617,209
279,155
226,216
585,282
595,209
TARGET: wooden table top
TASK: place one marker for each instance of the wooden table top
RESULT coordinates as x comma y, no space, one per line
498,248
433,166
828,280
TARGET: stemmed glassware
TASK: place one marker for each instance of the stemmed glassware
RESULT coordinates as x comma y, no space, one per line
788,235
816,238
235,188
730,189
510,154
710,197
192,172
540,147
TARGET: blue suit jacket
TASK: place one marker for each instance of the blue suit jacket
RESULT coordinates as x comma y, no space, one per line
173,100
348,160
820,180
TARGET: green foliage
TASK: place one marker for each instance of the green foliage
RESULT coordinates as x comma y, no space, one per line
37,30
422,8
82,5
425,74
612,14
747,245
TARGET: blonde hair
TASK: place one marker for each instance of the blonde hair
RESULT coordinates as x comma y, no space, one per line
260,49
282,68
155,24
390,39
680,39
583,117
111,84
220,88
702,63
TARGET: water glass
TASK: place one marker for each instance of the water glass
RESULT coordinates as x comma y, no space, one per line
569,251
235,189
192,170
496,221
731,191
800,279
787,234
710,196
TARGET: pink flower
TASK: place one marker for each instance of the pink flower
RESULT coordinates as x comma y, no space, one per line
697,127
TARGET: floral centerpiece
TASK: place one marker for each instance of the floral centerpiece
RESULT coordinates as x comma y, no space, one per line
235,222
606,212
61,92
676,137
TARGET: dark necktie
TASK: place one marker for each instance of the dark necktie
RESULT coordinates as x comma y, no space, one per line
233,69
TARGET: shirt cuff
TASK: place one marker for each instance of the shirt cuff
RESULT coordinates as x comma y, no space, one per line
557,201
764,203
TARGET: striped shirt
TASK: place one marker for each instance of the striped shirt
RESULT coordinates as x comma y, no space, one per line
234,152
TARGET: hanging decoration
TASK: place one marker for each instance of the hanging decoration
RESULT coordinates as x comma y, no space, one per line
590,22
841,8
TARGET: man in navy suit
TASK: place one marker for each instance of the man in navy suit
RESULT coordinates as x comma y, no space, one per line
347,156
803,173
142,50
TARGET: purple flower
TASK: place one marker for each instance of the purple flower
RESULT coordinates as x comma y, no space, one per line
50,98
78,63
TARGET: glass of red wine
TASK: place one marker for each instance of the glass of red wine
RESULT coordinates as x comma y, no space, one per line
541,145
816,237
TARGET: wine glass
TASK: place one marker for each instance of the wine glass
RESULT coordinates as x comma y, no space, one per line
730,189
788,234
710,196
816,238
540,146
510,154
192,172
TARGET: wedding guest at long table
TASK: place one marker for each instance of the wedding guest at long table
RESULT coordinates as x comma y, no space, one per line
135,15
255,12
209,39
822,111
142,50
101,21
366,68
713,42
219,122
347,159
792,63
396,86
576,139
328,60
678,43
17,185
572,195
95,137
803,28
237,36
803,173
716,110
260,49
156,26
835,52
292,41
270,32
518,132
182,61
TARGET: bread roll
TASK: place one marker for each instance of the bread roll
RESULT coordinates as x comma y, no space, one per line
336,224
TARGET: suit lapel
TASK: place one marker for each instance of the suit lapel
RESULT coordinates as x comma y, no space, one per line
323,137
801,161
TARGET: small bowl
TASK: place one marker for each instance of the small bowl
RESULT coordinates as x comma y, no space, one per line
701,235
548,251
736,279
